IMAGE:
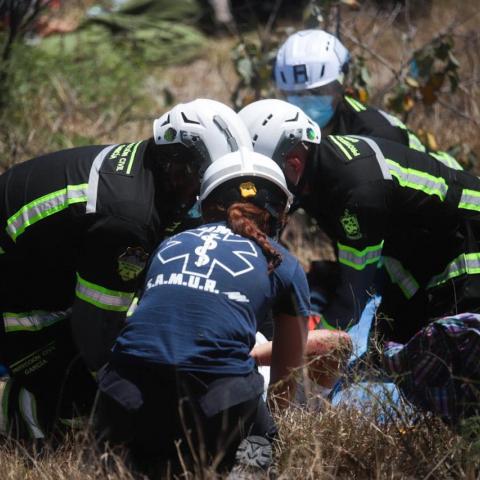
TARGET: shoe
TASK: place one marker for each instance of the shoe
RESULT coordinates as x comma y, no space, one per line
254,455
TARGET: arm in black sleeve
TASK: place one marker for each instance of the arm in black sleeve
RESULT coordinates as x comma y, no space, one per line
113,256
361,227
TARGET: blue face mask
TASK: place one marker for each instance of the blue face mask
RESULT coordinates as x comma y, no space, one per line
317,107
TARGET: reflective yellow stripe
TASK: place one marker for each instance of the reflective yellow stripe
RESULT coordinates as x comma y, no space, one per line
28,410
464,264
355,104
470,200
400,276
32,321
359,259
45,206
418,180
4,420
446,159
341,147
102,297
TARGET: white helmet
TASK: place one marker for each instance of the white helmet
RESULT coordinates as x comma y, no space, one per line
212,128
244,163
310,59
276,127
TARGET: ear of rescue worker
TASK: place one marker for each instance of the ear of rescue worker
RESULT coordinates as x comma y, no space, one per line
283,132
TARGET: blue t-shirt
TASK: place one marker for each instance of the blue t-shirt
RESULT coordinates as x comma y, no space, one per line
205,289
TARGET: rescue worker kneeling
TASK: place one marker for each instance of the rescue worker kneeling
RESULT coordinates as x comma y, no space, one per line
77,228
181,370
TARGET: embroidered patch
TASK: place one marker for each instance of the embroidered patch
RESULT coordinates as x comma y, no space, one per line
311,133
248,189
131,263
351,226
170,134
122,159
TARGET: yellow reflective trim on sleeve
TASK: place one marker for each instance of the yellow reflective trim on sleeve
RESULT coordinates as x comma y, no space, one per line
359,259
102,297
470,200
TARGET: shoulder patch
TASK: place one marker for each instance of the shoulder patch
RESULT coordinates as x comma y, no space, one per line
350,147
350,225
121,159
131,263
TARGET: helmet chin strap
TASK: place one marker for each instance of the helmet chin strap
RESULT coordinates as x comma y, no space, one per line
274,224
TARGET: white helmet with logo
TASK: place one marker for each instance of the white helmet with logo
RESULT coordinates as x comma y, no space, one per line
211,128
310,59
245,163
276,127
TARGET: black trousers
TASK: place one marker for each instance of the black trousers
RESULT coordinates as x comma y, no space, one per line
159,415
49,383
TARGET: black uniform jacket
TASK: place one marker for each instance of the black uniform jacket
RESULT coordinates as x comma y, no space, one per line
77,226
387,205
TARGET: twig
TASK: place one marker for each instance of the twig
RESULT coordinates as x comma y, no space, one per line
374,54
458,112
397,72
269,25
437,466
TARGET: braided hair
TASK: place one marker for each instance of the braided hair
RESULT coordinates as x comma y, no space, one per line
245,218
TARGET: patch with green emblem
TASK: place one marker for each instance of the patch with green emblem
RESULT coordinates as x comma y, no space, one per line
170,134
350,225
131,263
310,133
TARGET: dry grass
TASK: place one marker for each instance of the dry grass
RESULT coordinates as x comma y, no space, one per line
332,443
349,443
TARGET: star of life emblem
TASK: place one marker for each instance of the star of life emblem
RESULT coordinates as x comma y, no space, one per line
195,268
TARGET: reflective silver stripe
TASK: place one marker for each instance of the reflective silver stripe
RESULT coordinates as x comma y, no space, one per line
32,321
446,159
466,263
470,200
5,394
419,180
102,297
392,120
378,153
402,277
28,410
413,141
92,190
45,206
359,259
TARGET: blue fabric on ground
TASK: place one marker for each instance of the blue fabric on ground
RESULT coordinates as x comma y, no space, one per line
359,333
376,396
